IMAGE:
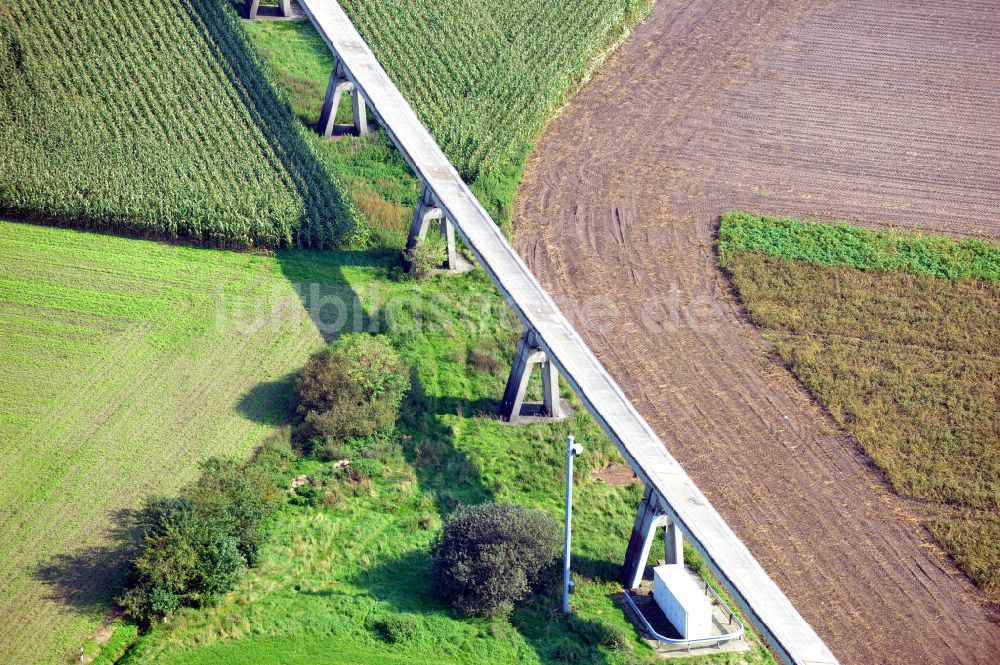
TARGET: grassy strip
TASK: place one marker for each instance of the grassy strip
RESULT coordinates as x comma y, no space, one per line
906,361
304,651
863,249
112,650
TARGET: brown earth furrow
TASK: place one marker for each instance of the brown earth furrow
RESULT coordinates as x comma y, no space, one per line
876,113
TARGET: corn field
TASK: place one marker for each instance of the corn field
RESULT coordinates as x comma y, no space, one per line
155,118
484,75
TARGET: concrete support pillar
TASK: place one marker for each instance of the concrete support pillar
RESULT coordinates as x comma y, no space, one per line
448,231
526,357
673,541
339,84
360,111
648,519
253,6
426,212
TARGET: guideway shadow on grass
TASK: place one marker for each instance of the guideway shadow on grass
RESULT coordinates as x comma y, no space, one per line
88,579
429,448
403,586
326,220
325,293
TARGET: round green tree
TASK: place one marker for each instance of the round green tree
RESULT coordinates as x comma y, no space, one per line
491,556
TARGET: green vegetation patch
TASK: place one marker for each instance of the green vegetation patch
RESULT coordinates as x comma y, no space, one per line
908,362
123,637
348,577
155,118
864,249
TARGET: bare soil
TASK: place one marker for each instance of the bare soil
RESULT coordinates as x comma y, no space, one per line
615,474
863,111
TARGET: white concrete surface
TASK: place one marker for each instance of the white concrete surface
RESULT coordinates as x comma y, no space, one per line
790,636
685,605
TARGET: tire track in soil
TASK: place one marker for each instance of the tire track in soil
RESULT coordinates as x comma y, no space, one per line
864,111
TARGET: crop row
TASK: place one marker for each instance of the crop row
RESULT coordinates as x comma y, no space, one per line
160,122
484,76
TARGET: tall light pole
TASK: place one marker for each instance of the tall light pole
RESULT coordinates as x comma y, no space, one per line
572,450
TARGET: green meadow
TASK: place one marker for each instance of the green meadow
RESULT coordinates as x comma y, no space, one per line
124,363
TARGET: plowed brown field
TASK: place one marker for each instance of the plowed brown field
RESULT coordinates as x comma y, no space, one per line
878,113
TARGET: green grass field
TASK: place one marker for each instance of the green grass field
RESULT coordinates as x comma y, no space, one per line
124,363
896,335
331,573
157,356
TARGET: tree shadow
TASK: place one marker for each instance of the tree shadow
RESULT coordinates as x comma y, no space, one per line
89,578
268,403
327,219
405,585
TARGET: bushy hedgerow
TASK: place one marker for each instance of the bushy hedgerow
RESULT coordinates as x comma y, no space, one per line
491,556
352,390
194,547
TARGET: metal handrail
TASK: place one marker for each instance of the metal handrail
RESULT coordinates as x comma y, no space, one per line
718,639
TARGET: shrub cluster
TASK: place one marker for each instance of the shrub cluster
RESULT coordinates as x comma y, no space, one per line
428,255
397,628
194,547
491,556
352,390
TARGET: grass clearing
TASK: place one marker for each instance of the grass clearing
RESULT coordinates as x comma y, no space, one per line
904,359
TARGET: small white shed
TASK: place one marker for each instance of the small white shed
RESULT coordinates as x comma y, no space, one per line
682,601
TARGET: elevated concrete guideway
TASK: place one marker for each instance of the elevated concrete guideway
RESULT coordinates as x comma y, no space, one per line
771,612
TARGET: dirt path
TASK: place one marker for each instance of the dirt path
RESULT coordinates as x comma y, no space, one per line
856,111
